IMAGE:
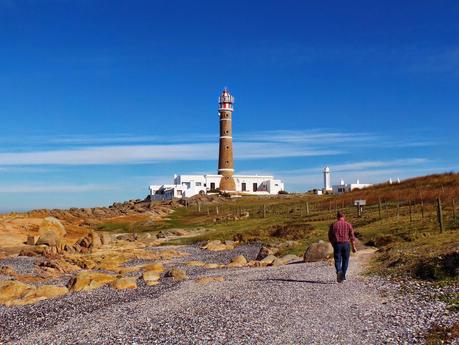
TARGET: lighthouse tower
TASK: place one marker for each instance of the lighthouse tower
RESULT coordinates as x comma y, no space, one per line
327,182
225,158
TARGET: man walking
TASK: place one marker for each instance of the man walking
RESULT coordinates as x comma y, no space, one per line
341,236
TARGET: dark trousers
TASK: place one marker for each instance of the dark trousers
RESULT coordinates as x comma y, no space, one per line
341,252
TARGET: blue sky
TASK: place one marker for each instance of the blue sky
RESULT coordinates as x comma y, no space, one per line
99,99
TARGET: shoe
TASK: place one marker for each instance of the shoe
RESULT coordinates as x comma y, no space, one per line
339,277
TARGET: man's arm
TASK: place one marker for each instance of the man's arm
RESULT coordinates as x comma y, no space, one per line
331,235
352,238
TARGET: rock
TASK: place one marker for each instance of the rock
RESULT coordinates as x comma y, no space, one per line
286,259
196,263
95,240
89,280
32,240
217,245
177,274
268,260
16,293
51,224
125,283
154,267
7,271
49,238
318,251
207,280
213,266
265,252
238,261
151,277
105,238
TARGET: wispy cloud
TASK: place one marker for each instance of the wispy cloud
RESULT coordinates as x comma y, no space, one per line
55,188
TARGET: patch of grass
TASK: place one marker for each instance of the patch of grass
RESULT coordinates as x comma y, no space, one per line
442,335
452,300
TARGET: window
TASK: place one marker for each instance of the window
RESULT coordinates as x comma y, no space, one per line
179,192
227,147
226,132
198,184
255,187
244,186
212,186
227,162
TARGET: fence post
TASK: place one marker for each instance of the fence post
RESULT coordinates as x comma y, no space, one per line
398,210
199,207
379,207
454,211
307,208
264,210
216,210
411,213
422,209
440,215
208,211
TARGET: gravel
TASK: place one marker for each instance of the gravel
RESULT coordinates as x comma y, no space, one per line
20,264
293,304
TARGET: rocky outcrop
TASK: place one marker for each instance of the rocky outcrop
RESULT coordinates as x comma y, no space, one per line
13,292
154,267
265,252
125,283
318,251
218,245
89,280
177,274
51,232
151,278
238,261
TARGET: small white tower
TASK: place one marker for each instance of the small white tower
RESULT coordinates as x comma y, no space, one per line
327,183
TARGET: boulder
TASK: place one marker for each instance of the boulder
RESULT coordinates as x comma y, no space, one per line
151,277
89,280
238,261
217,245
268,260
265,252
195,263
32,240
125,283
51,224
318,251
16,293
177,274
213,266
154,267
207,280
50,238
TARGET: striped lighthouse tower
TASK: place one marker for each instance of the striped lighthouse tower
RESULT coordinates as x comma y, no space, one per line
225,158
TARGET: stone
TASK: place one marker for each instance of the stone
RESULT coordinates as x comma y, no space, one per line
213,266
105,238
7,271
177,273
318,251
125,283
265,252
286,259
51,224
207,280
268,260
195,263
89,280
32,240
154,267
151,277
217,245
49,238
14,293
238,261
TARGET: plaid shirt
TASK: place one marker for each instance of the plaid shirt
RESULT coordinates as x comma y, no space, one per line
341,232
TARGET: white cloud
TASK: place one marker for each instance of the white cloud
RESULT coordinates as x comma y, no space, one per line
55,188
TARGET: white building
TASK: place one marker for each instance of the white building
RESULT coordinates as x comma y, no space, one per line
191,185
327,180
344,188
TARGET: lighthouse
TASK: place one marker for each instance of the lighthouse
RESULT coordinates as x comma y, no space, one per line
327,182
225,158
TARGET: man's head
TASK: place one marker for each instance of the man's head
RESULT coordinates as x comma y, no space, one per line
340,215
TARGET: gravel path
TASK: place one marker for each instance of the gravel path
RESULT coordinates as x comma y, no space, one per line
293,304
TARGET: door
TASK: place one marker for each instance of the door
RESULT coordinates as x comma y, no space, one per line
255,187
244,186
212,186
